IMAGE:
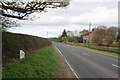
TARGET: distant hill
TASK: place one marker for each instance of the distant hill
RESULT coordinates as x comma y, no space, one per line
12,43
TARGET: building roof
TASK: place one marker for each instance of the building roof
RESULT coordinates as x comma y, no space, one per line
108,36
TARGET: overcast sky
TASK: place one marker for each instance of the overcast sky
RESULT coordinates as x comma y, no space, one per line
74,17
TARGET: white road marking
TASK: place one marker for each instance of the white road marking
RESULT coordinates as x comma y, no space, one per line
115,66
103,53
96,52
59,51
67,63
85,54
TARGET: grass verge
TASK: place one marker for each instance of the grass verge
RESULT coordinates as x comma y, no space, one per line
38,64
96,49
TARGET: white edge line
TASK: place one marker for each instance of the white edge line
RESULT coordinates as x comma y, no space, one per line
67,63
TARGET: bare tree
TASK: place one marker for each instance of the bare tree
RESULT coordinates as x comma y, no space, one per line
70,33
100,32
113,31
104,34
7,23
20,8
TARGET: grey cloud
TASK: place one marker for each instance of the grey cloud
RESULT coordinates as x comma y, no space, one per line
77,14
72,11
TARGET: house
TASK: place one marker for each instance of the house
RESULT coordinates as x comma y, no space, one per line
106,40
89,37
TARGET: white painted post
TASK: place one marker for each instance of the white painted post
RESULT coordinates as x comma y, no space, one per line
22,54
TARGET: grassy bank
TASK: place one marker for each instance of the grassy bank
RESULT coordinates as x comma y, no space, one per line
96,49
40,64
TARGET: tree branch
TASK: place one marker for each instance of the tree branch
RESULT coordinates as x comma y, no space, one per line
29,8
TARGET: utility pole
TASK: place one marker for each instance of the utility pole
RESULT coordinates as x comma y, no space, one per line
47,34
89,33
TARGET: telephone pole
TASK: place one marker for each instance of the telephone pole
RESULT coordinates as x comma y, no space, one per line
89,33
47,34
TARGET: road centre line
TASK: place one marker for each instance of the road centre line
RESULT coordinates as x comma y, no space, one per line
85,54
97,52
67,63
115,65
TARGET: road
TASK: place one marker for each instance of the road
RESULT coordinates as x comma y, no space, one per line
89,64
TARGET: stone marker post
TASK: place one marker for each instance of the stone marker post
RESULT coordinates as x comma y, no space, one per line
22,54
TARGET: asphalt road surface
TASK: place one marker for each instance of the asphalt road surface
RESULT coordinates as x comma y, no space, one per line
89,64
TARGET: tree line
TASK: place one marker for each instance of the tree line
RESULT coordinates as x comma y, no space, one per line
98,34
